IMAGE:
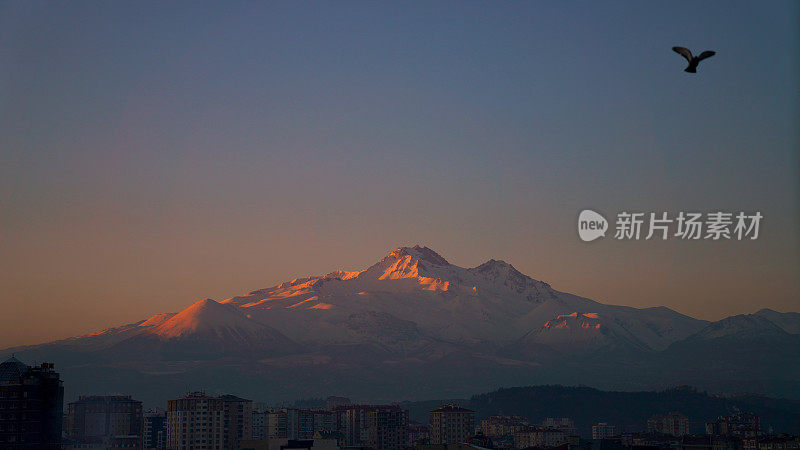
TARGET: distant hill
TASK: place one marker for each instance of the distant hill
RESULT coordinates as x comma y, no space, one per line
629,411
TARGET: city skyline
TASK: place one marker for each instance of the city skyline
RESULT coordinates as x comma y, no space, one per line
507,418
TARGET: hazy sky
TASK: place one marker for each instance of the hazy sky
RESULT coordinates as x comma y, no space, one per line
156,153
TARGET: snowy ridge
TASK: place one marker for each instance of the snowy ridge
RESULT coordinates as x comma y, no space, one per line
583,332
746,326
491,302
157,320
413,314
208,317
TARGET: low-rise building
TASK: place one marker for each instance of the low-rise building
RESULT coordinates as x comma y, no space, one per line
418,434
498,426
674,424
740,424
564,424
779,443
603,431
539,437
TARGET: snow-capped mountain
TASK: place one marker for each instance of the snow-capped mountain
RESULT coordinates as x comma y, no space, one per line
491,302
414,316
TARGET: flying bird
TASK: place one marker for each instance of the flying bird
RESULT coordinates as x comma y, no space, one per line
693,60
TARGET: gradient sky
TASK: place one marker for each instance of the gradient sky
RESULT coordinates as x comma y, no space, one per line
156,153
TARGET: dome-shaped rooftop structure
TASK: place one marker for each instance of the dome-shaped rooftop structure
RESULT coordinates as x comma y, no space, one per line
12,369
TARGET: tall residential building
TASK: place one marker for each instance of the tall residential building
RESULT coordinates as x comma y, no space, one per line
260,423
674,424
603,431
154,434
388,428
451,424
31,406
351,421
298,424
362,424
107,422
197,421
324,421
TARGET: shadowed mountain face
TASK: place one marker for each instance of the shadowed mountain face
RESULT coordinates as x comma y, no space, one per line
414,325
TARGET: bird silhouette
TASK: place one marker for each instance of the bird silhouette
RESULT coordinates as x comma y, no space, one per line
693,60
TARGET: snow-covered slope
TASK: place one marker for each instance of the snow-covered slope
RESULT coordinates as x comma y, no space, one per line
208,319
156,320
206,329
491,302
741,327
413,315
579,332
412,298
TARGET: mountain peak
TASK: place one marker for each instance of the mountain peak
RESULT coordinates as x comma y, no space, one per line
204,304
788,321
741,326
500,267
406,262
208,327
201,316
421,253
496,263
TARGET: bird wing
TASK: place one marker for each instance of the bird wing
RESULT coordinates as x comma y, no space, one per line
683,52
706,54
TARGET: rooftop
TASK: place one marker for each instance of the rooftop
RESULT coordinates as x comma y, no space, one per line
12,369
452,408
